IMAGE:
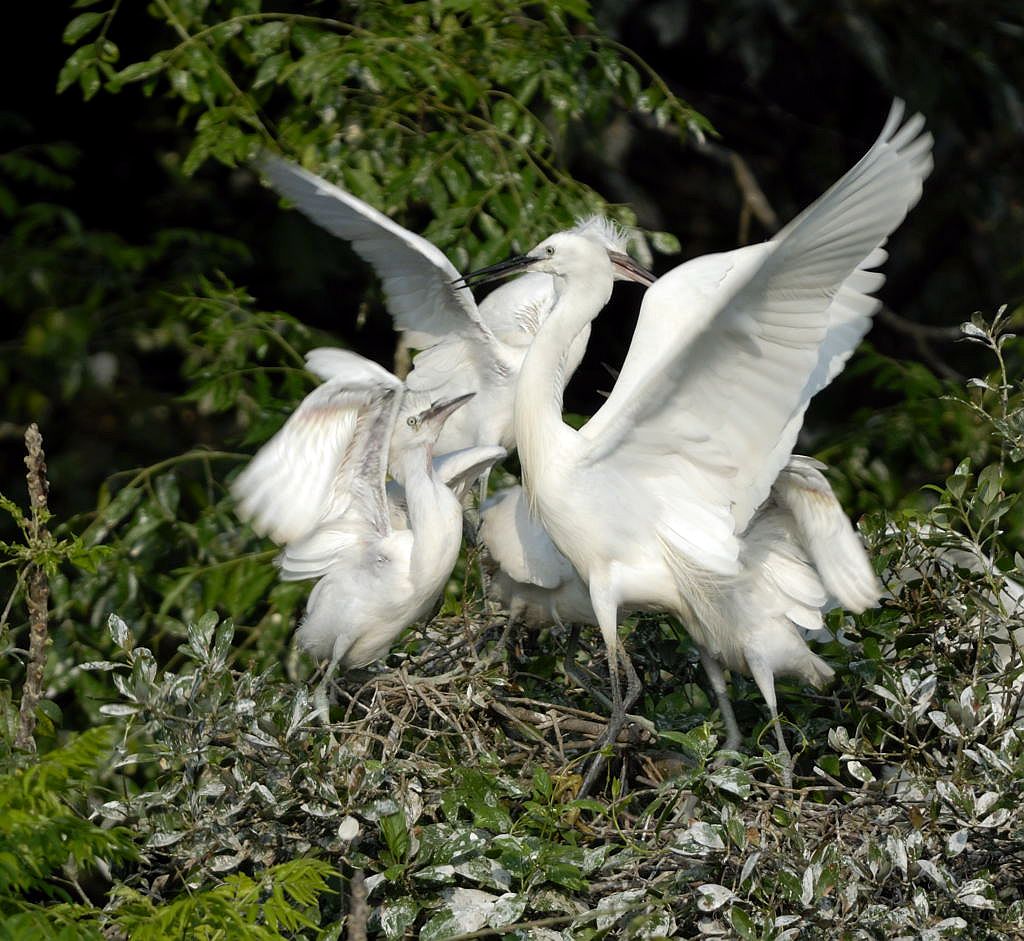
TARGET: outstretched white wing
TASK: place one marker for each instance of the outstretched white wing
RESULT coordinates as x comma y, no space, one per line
330,454
417,276
707,402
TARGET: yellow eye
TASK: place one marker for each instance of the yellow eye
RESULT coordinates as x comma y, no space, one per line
412,421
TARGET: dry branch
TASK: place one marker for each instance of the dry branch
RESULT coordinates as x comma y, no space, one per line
37,594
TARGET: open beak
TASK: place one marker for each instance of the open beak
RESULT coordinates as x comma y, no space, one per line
492,272
626,268
440,411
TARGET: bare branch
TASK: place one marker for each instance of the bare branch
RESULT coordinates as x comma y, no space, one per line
38,592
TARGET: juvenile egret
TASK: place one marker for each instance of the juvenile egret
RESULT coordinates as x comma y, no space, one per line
649,500
465,348
382,562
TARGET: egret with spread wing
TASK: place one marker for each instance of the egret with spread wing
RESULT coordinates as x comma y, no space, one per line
320,486
651,498
465,348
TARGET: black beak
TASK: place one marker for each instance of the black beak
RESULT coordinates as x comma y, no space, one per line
492,272
628,269
441,410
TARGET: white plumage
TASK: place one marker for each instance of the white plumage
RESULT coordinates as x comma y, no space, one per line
319,486
651,499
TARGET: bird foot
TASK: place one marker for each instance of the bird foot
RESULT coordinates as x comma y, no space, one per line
627,732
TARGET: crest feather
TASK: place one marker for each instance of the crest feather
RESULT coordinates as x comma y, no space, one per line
602,230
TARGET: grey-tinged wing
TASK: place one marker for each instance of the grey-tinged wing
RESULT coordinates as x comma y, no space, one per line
417,276
330,454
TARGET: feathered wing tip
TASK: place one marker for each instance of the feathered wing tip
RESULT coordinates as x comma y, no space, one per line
828,536
602,230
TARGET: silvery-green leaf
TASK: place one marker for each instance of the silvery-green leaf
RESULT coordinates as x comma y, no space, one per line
485,871
161,839
933,872
976,901
860,772
113,810
971,331
226,861
810,876
469,907
442,874
748,866
119,709
711,896
200,633
612,907
839,739
897,850
957,843
702,835
508,909
996,819
396,916
985,802
348,829
120,632
734,780
945,723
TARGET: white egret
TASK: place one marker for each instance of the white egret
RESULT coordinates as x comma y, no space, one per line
465,348
319,485
650,499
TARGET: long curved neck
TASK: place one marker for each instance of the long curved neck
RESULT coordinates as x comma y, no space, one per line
537,417
433,511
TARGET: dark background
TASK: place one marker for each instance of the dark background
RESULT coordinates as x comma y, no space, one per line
797,89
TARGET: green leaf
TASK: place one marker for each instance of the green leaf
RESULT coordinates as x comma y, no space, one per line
742,923
75,65
80,25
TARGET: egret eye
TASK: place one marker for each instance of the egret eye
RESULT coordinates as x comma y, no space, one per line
550,250
412,421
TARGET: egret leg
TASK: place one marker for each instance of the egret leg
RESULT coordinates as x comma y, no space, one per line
607,611
633,684
576,673
765,680
714,671
321,695
506,643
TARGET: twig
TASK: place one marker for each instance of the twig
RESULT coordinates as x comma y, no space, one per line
358,910
38,593
754,201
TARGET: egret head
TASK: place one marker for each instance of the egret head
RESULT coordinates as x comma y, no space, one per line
419,428
565,254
